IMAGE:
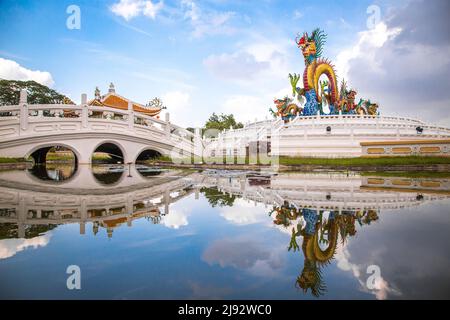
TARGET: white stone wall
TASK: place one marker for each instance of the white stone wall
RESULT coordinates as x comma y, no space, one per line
309,137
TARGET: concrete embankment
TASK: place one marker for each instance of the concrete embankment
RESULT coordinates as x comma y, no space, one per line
16,165
310,168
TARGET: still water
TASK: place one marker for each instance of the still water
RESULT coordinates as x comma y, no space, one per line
144,233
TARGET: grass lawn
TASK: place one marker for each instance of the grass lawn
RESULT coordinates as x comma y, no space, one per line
408,174
289,161
99,156
11,160
381,161
53,156
299,161
158,159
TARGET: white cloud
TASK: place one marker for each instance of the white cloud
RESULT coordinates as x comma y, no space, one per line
11,70
297,14
257,258
175,219
239,65
253,63
176,99
249,67
207,22
10,247
367,45
246,107
192,10
244,212
381,287
402,64
178,104
129,9
150,9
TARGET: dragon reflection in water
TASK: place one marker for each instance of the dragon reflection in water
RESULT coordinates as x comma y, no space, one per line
320,237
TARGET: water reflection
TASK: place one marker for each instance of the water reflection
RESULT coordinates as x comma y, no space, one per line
147,171
29,202
53,171
319,216
105,174
108,174
320,231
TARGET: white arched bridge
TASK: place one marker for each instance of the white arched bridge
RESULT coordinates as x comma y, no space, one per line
31,130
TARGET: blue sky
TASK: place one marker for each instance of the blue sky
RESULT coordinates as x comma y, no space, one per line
209,56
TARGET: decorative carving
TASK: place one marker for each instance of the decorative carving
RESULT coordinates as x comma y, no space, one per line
156,103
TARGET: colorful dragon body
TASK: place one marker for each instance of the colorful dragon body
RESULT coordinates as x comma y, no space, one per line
317,93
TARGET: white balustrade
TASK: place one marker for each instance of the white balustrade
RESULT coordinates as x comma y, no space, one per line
85,118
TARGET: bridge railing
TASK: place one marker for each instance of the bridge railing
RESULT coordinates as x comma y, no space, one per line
27,114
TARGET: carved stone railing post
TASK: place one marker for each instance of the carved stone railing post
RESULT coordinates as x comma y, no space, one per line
197,193
23,110
22,216
129,210
84,111
130,115
167,127
166,199
198,147
83,213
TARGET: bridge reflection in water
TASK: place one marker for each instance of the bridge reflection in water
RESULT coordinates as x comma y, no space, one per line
320,211
112,196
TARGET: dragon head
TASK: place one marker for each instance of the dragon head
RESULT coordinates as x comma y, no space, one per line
311,46
281,103
308,47
351,95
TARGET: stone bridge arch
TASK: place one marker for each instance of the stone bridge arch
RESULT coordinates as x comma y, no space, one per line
38,152
150,148
105,146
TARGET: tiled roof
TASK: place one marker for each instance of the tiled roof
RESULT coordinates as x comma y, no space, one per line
113,100
96,103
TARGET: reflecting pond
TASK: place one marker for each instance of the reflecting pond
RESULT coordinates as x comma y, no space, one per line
138,232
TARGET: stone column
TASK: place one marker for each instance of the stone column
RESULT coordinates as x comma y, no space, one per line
166,201
83,216
22,216
129,210
167,127
84,111
130,115
23,110
198,147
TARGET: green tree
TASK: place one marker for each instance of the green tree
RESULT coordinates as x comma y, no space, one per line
222,122
217,198
37,93
11,231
